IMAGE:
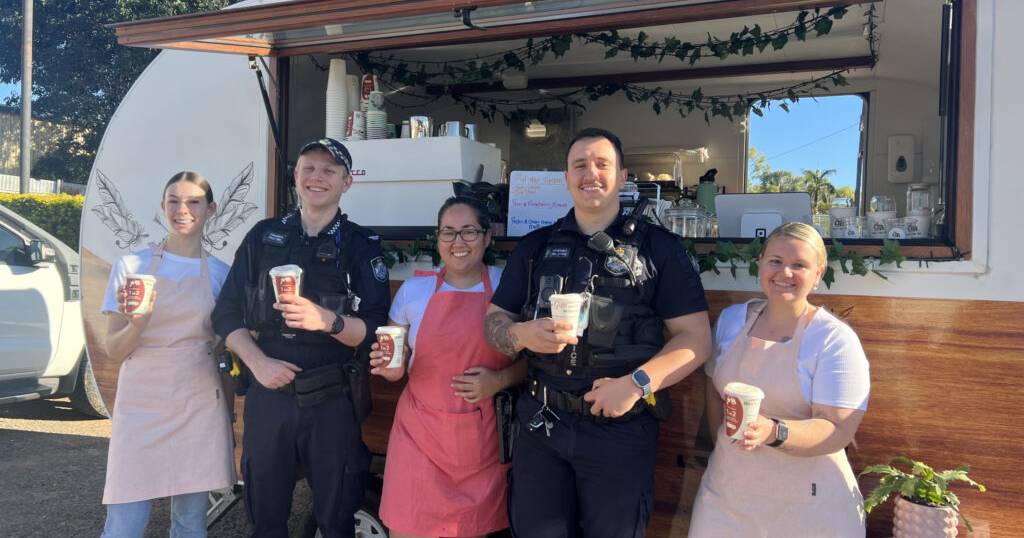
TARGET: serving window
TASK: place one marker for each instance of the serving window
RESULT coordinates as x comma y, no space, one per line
910,63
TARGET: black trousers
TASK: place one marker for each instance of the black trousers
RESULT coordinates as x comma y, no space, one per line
598,477
324,439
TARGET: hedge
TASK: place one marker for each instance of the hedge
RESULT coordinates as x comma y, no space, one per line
59,214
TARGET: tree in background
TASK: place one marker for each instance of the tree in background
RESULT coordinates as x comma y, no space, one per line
817,184
846,191
762,178
79,72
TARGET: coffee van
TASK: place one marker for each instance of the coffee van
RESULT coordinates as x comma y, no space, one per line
943,330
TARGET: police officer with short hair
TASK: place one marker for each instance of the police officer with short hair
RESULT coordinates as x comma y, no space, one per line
585,453
307,370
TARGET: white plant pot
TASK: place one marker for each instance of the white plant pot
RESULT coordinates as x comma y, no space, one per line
911,520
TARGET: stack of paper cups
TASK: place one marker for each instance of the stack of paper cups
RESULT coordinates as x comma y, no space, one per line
337,100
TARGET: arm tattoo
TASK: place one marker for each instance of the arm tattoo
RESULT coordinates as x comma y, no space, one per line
497,330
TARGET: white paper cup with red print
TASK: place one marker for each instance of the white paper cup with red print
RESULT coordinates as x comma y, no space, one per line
287,279
742,404
391,340
139,293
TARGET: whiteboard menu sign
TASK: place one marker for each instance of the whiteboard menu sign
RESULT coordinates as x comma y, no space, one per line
535,199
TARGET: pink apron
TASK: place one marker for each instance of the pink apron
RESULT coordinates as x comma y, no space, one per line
767,492
442,476
171,433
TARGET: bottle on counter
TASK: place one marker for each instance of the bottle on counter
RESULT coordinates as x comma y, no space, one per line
919,210
706,191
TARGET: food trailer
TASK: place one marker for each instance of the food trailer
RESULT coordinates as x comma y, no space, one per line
236,92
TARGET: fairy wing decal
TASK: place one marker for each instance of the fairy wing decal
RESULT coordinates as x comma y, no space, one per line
114,214
232,210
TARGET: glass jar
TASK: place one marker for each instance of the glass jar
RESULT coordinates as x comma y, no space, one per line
919,199
881,203
881,209
687,220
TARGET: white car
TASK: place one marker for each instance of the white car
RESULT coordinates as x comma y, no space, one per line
42,338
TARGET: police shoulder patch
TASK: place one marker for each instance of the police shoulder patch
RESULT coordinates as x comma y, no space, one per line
380,269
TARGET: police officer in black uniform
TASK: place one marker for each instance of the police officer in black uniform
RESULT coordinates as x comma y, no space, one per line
307,364
585,453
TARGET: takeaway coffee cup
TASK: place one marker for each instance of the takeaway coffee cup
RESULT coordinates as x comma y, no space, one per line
742,404
287,279
567,307
392,344
139,290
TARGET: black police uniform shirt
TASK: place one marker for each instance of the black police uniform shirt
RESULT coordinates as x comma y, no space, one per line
672,289
368,273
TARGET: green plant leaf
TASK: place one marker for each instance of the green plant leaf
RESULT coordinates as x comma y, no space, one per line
779,41
828,277
891,253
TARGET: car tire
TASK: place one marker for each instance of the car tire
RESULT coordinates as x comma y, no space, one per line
368,523
86,398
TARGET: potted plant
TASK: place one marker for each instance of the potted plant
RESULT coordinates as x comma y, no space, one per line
925,506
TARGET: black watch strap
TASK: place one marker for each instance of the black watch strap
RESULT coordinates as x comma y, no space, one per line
781,433
338,325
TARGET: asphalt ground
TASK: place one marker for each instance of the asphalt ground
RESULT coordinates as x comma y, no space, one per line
52,467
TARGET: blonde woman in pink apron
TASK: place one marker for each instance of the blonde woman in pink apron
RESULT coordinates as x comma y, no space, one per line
442,477
788,476
171,429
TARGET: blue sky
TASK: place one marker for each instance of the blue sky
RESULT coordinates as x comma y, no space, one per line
815,133
7,89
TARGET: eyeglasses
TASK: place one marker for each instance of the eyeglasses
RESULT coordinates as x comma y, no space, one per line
467,234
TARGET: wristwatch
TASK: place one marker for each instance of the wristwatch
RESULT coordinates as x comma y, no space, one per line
642,380
781,433
338,325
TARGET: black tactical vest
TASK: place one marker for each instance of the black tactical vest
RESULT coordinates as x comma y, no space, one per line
623,331
326,268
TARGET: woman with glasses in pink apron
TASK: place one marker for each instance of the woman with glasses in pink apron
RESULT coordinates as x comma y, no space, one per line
788,476
442,477
171,428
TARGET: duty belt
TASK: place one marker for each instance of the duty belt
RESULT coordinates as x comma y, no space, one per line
317,385
575,404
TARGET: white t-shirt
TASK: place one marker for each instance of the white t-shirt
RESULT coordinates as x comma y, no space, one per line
171,266
410,303
831,363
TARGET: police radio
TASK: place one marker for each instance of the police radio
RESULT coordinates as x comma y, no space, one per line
549,285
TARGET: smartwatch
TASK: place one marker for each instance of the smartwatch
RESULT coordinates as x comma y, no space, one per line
643,381
781,433
338,325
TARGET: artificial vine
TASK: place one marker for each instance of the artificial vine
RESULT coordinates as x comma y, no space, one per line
459,71
849,262
401,74
742,43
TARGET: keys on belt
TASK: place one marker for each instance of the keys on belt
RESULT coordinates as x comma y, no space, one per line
545,416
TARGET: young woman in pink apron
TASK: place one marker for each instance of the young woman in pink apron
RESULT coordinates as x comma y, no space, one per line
442,477
171,428
788,476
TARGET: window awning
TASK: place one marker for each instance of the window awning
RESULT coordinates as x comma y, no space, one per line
331,26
